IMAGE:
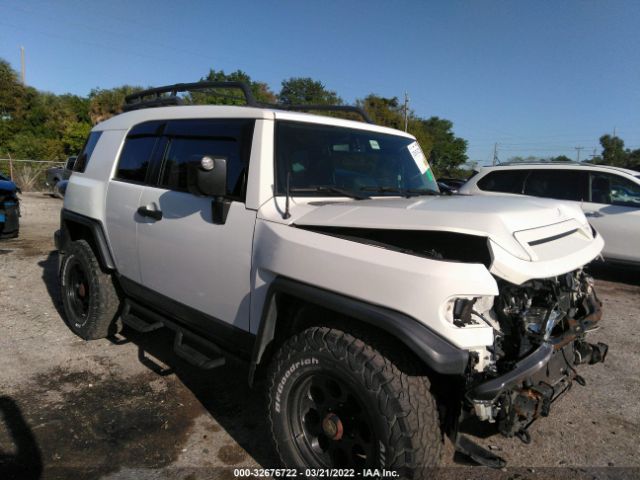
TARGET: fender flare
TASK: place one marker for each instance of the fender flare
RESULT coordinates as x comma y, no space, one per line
434,350
96,229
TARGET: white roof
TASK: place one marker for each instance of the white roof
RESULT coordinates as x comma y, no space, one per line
125,121
561,166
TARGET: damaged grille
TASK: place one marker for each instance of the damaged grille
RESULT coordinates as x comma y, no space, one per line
551,310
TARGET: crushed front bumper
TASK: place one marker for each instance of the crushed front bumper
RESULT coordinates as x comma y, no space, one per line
516,398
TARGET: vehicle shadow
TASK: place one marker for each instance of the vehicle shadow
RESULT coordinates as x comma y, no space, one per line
224,391
22,459
615,273
50,278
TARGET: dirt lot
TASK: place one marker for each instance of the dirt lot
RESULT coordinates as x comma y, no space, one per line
129,409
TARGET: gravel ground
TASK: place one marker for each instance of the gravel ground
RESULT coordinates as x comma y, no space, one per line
128,408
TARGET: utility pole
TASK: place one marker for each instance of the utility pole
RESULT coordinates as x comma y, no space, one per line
578,153
495,153
24,68
406,111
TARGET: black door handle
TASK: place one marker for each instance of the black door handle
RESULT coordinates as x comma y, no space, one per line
147,212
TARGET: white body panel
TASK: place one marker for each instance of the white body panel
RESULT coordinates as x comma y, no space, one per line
411,285
189,259
121,228
619,226
87,191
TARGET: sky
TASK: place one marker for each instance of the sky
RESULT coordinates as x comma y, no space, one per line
537,77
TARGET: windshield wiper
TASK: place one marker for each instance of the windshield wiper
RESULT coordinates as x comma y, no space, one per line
383,190
423,191
329,189
405,193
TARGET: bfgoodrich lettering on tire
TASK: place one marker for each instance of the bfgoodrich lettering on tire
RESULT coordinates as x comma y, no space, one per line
337,401
89,297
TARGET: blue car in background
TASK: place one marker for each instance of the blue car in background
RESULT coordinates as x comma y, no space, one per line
9,208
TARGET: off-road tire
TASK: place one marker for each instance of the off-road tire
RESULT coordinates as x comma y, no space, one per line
102,302
402,409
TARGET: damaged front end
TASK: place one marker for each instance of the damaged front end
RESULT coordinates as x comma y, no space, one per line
540,336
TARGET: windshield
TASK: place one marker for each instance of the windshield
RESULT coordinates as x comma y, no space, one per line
322,160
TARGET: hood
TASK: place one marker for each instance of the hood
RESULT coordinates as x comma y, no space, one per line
515,224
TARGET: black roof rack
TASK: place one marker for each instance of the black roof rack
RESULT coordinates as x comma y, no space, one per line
156,97
324,108
138,100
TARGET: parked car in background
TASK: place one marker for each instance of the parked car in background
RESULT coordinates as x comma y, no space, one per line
609,197
9,208
57,174
450,185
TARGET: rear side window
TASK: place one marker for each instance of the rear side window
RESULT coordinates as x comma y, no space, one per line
81,162
190,140
613,189
506,181
559,184
137,151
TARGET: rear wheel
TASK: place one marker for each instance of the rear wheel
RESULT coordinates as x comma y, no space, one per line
336,401
89,297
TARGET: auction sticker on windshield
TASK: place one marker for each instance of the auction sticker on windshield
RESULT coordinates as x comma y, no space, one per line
418,156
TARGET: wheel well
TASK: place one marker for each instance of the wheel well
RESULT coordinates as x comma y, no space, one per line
78,231
295,315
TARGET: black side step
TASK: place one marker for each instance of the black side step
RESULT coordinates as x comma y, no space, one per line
187,352
138,323
193,356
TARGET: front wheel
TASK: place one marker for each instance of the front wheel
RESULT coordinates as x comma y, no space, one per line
337,402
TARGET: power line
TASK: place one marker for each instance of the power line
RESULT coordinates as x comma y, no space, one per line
23,67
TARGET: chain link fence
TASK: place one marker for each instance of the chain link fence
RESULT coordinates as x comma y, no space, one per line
30,175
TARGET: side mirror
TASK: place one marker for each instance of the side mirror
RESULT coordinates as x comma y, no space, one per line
207,177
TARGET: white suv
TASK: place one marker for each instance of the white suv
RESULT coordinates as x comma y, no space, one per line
609,197
379,312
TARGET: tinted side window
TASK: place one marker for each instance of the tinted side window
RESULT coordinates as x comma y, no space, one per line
190,140
554,183
614,190
85,154
134,159
507,181
137,151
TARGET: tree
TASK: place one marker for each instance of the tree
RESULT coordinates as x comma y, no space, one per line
448,152
560,158
260,90
383,111
613,152
306,91
105,103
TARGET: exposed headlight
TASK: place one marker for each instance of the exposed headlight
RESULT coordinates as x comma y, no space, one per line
466,311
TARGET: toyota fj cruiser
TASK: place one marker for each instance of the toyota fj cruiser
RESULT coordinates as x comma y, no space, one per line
379,311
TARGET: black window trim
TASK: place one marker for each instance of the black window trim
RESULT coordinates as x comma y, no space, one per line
82,152
158,161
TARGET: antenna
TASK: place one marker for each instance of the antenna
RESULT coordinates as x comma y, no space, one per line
495,153
286,213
